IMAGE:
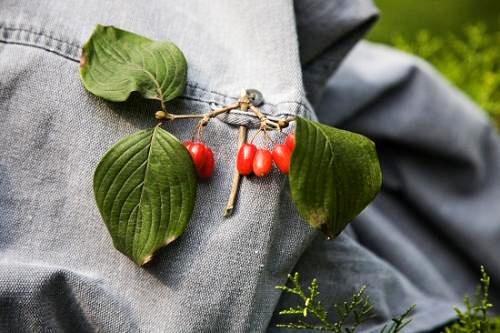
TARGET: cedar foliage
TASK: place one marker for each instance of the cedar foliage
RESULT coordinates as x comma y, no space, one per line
311,314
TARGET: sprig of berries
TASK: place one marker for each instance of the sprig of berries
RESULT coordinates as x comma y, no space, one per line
141,163
249,160
252,160
259,161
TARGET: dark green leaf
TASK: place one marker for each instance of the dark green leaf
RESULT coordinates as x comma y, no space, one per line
145,188
115,62
334,175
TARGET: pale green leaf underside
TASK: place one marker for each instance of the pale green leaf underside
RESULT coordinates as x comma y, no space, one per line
145,188
115,63
334,174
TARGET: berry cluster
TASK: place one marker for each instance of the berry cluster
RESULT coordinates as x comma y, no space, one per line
203,158
259,161
250,159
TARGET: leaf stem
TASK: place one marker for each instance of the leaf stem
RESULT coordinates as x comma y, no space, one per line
160,93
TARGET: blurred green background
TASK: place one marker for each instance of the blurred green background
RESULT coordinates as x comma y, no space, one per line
460,38
440,17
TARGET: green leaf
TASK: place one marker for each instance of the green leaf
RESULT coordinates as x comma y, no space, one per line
145,188
115,63
334,175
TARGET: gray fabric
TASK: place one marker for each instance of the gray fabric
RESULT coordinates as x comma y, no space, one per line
420,242
437,218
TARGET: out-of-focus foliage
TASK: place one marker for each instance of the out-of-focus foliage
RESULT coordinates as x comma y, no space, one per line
439,17
434,30
470,60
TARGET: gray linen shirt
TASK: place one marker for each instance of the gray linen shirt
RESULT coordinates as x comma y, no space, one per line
422,240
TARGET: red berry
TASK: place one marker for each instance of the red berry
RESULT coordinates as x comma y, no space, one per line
290,141
197,151
245,159
208,168
187,144
262,162
281,156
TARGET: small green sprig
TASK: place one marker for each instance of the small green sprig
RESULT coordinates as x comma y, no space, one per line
475,317
359,309
399,322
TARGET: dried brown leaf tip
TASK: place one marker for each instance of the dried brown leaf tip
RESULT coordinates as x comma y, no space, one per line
83,60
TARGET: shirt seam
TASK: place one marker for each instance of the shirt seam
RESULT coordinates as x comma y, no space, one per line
8,36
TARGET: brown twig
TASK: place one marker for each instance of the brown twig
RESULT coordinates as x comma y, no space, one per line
244,103
242,137
235,183
208,115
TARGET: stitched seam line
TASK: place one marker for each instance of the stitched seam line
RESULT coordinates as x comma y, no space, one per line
29,37
39,33
7,36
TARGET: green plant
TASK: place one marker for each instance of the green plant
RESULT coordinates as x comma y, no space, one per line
145,185
439,17
333,175
471,61
475,318
358,310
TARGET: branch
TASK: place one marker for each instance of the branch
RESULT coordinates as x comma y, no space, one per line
207,115
243,104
